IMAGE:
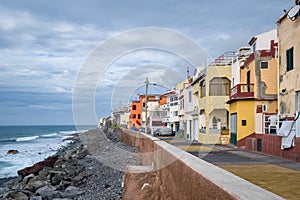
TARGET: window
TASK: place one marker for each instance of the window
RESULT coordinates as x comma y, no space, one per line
264,65
133,107
190,96
139,116
244,122
219,86
182,104
175,113
290,59
202,88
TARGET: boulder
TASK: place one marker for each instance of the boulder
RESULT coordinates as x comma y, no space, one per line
49,162
13,184
36,198
63,185
26,180
34,184
72,192
20,195
49,192
13,152
57,178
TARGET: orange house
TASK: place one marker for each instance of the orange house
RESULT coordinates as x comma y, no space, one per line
137,116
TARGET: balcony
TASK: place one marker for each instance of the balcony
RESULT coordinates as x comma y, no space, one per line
242,91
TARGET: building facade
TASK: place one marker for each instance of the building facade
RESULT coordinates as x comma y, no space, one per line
214,89
256,94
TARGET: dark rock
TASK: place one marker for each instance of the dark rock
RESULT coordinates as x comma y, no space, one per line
72,192
36,198
34,185
12,152
57,178
49,192
13,184
26,180
63,185
77,180
49,162
20,195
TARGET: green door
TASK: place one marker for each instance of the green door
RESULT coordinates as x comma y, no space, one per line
233,129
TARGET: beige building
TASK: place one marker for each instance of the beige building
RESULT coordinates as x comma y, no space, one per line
289,63
121,116
214,90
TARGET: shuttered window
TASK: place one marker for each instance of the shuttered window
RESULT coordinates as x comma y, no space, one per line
290,59
219,86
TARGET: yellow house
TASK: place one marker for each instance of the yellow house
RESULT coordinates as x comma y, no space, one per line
214,90
255,97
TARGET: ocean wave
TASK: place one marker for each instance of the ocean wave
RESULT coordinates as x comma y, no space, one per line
49,135
83,131
24,139
68,132
8,140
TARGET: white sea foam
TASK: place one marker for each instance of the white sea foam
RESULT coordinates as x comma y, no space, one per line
25,139
49,135
82,131
68,132
28,154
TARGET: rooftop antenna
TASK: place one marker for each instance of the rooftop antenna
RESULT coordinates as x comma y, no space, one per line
293,13
187,72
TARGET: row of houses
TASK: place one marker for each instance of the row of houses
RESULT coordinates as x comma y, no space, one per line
249,98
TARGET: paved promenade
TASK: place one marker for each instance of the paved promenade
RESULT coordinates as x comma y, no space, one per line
277,175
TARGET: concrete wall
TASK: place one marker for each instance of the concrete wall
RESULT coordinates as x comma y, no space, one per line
171,173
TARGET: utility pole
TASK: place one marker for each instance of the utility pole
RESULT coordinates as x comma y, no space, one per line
146,101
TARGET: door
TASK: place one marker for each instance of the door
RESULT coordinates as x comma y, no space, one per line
298,111
196,129
233,129
177,127
248,81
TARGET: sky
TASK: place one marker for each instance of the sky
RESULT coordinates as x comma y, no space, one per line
48,70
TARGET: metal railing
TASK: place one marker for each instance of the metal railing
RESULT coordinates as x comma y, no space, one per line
242,91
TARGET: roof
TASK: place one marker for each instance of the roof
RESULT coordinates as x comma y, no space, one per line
169,93
285,15
197,79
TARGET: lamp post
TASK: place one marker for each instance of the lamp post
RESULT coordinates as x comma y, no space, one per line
146,101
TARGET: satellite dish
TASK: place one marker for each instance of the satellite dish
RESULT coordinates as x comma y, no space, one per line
293,12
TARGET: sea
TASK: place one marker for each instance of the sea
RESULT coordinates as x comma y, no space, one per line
34,143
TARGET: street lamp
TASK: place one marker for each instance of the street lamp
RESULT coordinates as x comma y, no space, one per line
146,100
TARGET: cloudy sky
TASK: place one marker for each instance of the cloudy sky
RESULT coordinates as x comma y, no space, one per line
44,46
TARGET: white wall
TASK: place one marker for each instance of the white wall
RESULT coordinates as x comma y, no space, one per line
263,40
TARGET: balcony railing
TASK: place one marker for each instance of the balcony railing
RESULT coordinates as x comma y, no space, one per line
223,60
242,91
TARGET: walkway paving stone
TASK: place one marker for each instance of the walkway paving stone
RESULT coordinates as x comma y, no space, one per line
280,176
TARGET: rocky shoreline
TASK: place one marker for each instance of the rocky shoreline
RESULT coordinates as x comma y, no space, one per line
91,167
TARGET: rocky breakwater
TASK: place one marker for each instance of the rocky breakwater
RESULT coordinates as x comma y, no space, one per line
72,173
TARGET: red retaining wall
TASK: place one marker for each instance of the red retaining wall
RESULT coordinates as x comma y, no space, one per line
271,144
